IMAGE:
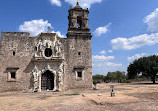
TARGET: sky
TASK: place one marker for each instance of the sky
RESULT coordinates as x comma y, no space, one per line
122,30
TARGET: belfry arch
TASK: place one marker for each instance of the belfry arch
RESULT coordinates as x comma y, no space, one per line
79,22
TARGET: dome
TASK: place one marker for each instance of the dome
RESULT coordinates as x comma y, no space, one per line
77,6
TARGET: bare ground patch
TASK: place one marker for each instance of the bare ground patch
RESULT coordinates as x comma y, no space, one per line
129,97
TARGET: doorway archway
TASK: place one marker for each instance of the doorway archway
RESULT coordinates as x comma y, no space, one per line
47,80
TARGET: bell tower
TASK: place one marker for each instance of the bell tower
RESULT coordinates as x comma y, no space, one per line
78,51
78,20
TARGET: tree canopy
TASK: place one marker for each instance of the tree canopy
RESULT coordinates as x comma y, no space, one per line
147,66
111,76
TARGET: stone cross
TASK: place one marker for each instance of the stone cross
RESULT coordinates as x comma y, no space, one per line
49,28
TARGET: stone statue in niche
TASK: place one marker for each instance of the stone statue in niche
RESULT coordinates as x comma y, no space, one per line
38,52
35,79
39,45
59,79
47,45
57,49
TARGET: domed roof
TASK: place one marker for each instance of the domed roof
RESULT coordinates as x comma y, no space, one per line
77,6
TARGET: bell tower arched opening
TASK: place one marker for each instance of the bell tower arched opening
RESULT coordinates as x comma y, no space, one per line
79,21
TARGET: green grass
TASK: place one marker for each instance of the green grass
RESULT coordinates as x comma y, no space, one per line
72,94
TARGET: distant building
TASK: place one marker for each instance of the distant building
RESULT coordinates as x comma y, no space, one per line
48,62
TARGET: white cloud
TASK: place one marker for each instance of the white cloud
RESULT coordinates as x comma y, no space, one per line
102,65
138,41
102,57
152,21
56,2
105,67
113,64
107,64
134,42
59,34
83,3
136,56
102,52
110,51
102,30
35,27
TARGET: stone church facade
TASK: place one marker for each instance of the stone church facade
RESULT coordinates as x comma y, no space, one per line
47,61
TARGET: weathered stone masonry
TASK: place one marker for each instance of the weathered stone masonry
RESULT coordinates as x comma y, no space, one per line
47,61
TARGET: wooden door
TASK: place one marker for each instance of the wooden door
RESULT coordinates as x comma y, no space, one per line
47,81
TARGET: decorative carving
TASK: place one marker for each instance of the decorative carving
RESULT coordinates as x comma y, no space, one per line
59,79
35,79
40,45
57,49
38,52
48,67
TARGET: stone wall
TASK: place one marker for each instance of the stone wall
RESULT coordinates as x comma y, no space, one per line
17,52
74,62
21,45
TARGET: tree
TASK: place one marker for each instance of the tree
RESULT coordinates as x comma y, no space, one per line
116,76
98,78
147,66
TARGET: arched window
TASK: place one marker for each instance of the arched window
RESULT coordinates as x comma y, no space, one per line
79,22
48,52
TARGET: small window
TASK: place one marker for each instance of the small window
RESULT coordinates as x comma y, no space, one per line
79,74
13,53
13,75
79,53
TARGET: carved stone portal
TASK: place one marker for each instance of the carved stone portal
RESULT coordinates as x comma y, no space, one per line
57,77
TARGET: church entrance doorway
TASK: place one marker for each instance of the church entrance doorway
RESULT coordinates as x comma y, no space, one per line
47,81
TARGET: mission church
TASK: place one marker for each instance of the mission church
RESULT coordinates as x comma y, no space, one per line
47,61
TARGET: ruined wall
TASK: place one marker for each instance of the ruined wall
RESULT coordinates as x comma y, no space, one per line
16,52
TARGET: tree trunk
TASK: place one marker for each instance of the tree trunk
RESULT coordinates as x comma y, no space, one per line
154,81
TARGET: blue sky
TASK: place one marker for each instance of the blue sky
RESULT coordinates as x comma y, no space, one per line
123,30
